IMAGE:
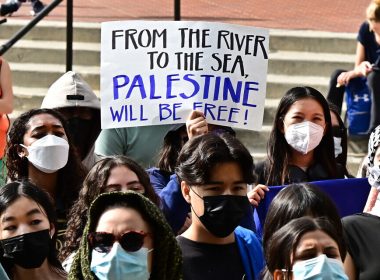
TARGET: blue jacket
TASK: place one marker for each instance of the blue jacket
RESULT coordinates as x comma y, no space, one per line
158,179
173,204
251,252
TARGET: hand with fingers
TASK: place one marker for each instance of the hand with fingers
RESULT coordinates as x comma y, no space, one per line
257,194
363,69
196,124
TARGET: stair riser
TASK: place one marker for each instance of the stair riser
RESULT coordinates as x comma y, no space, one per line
52,56
306,68
51,33
324,45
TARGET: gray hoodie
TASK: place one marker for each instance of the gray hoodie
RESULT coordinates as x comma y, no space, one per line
70,94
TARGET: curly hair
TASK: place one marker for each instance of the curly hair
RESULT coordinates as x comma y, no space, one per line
93,185
70,177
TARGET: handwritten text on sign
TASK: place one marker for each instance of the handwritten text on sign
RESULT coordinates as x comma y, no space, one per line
157,72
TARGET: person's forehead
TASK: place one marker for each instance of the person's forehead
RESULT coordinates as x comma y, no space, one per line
43,119
122,172
121,218
306,105
21,206
316,237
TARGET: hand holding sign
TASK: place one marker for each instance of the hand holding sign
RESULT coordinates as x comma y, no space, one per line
196,124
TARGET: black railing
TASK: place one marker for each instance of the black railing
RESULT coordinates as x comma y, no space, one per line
177,10
29,26
69,28
69,35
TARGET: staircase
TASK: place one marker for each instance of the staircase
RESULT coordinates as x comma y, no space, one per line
296,58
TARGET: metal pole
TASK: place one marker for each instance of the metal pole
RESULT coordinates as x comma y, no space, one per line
177,10
29,26
69,36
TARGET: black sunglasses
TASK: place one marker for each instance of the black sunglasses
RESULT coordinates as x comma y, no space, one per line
102,242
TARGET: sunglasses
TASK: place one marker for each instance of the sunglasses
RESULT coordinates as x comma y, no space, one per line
102,242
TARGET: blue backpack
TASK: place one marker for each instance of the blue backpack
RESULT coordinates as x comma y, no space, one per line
358,98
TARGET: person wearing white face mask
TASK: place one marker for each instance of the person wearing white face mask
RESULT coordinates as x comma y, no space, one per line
301,146
311,249
39,148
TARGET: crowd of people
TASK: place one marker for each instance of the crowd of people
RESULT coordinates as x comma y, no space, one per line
177,201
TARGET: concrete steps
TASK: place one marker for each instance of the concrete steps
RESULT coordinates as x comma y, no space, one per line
296,58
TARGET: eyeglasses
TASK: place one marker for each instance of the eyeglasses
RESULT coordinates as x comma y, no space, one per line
102,242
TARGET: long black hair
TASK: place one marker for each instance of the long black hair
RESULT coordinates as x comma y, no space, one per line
13,191
342,131
279,151
297,200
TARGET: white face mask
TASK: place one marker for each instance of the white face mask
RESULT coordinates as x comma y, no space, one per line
304,137
48,154
337,146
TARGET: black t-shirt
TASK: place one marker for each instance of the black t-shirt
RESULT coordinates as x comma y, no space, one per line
315,172
362,233
367,39
203,261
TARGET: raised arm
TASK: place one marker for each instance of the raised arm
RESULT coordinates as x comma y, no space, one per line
6,101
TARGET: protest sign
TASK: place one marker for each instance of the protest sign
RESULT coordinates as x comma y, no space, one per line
155,72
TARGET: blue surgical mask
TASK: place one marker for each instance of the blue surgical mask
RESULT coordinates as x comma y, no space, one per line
319,268
120,264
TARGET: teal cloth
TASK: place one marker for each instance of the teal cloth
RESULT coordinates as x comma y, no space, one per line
142,143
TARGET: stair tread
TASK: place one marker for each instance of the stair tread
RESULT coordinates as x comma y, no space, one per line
311,34
56,45
311,56
44,67
291,79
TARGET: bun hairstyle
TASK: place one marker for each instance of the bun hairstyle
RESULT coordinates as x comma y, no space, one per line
373,10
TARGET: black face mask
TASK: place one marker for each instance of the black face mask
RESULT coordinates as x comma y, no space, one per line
223,213
27,250
80,130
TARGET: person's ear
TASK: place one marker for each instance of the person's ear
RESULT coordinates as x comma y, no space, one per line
52,230
185,192
278,274
21,151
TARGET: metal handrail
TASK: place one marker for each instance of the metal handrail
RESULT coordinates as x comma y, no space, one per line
5,47
177,10
69,35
